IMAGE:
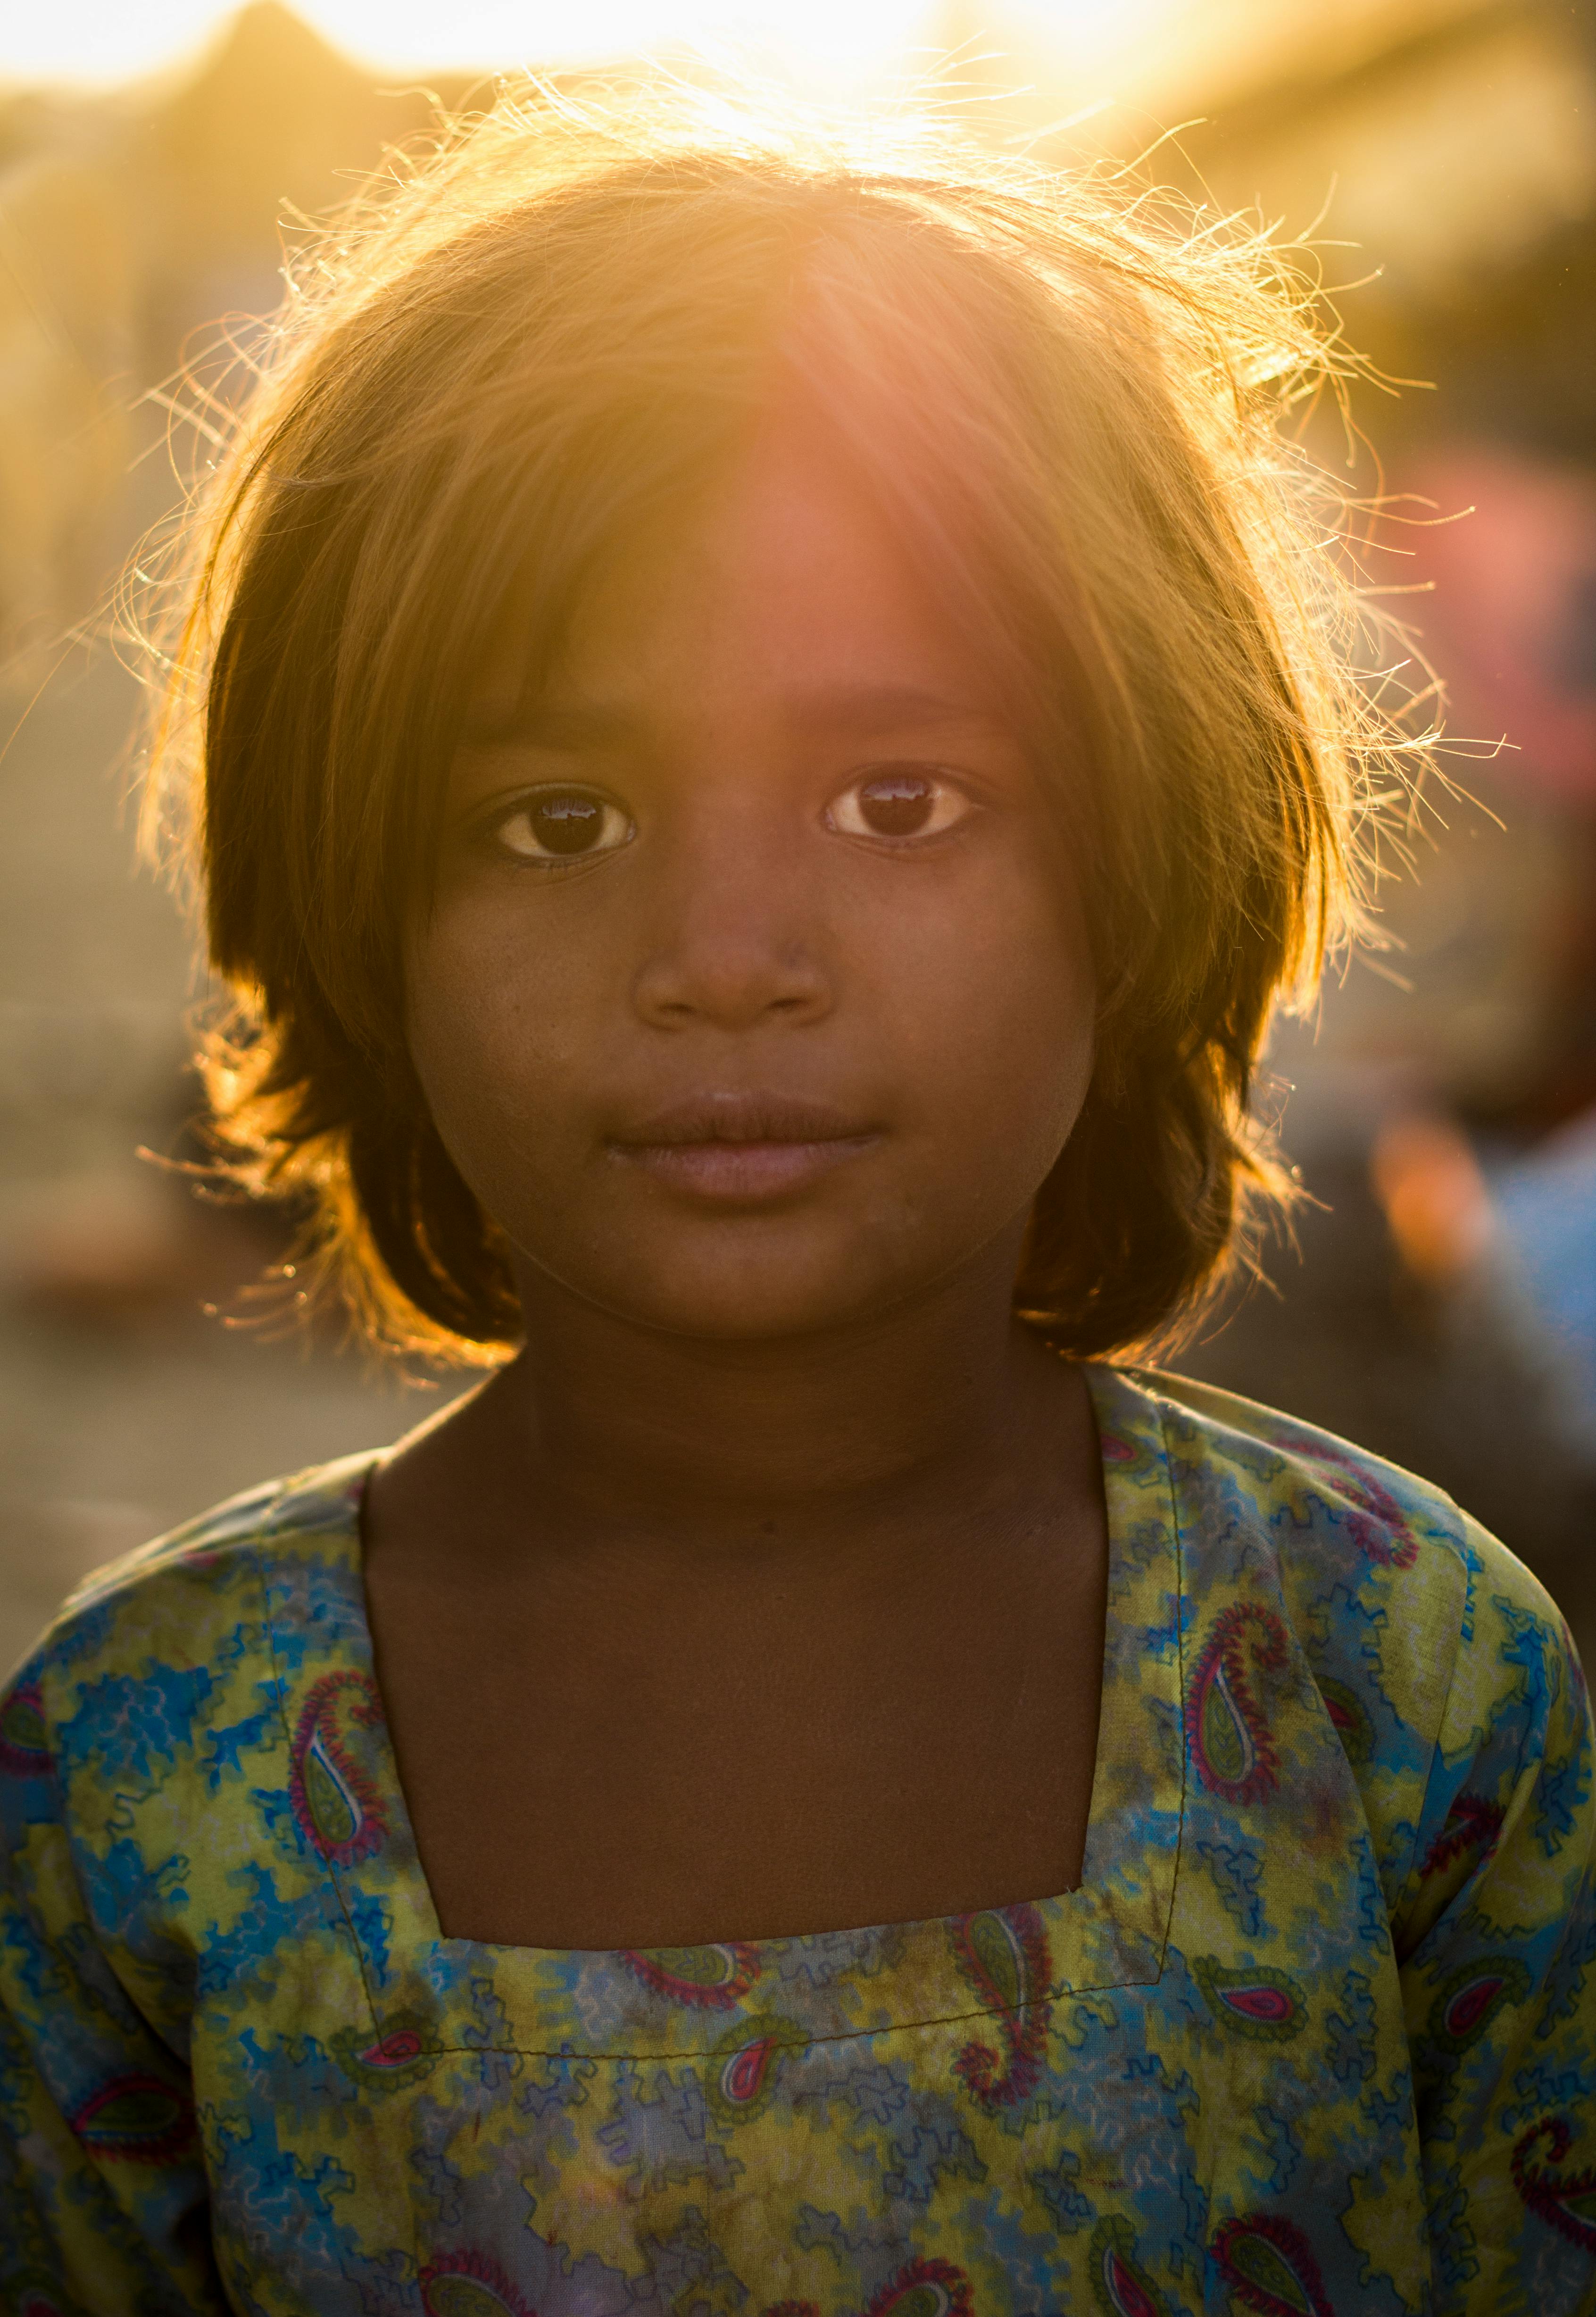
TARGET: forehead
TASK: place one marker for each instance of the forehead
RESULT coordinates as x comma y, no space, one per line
786,580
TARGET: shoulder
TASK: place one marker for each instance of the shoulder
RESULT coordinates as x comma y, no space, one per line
151,1639
1333,1517
1427,1641
142,1741
1361,1544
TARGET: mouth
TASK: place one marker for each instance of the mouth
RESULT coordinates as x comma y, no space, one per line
741,1148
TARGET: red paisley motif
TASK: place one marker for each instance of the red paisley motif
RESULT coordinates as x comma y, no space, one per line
24,1747
712,1978
136,2119
1376,1522
1268,2265
926,2289
37,2298
335,1806
1119,2286
470,2284
1002,1951
396,2051
1127,2296
1566,2199
1225,1728
1473,1823
1468,2000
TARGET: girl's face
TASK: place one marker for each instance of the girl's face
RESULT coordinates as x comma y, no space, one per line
755,998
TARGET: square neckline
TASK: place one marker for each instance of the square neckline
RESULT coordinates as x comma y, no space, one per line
1110,1931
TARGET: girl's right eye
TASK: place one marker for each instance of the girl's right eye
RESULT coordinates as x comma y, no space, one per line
562,824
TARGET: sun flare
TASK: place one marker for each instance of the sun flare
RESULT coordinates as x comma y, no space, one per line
839,41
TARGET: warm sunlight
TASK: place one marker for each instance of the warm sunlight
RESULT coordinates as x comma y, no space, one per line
689,690
835,41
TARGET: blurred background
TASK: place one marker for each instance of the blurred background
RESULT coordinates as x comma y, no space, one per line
1441,1306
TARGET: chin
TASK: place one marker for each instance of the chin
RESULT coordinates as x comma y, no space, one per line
745,1302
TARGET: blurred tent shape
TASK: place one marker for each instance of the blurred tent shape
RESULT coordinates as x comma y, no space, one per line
66,330
273,125
137,231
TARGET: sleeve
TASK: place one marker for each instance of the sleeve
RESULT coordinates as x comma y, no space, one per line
102,2193
1495,1934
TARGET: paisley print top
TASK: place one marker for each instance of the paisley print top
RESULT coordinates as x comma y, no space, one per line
1317,2033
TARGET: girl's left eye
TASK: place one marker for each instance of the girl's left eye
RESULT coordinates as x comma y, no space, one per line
563,824
897,803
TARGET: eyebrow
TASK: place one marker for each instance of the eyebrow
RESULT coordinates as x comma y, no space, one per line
884,705
575,724
545,724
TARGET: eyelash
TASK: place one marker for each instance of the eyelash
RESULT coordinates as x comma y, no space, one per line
937,791
899,791
525,807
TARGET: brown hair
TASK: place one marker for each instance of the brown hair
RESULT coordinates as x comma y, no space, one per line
560,326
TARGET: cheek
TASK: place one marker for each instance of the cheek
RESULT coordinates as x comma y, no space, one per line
1001,1003
963,1009
496,1029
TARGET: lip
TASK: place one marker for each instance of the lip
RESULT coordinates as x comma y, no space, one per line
741,1148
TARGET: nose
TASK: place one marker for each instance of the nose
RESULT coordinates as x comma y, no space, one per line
735,937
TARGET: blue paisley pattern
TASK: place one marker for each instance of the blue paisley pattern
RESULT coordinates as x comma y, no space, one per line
1316,2034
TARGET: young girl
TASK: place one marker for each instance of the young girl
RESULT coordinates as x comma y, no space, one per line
770,737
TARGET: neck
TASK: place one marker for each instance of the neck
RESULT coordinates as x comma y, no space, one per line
935,1401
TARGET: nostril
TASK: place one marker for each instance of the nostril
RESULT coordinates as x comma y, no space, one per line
720,982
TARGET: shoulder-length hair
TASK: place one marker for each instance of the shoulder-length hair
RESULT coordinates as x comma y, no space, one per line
1068,406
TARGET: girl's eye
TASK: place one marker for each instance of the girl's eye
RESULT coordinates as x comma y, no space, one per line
563,825
897,804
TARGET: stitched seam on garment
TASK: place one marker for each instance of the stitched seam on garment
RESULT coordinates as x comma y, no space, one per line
804,2044
1162,1405
1064,1987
